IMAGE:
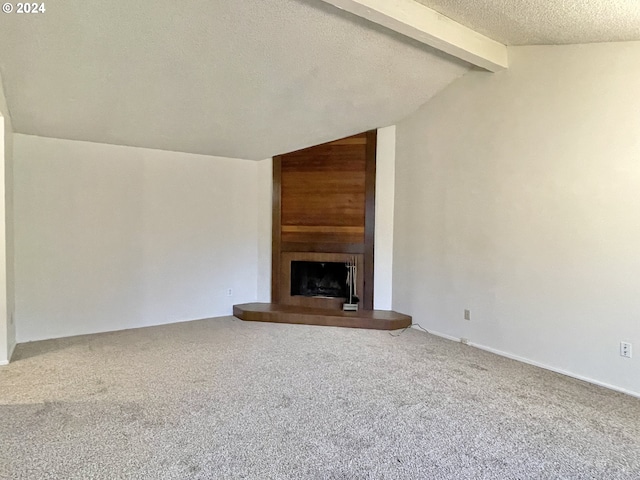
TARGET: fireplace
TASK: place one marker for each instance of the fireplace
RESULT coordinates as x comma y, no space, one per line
323,230
323,218
312,279
319,279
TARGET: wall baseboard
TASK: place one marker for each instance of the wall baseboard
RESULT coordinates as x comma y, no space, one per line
539,365
124,328
437,334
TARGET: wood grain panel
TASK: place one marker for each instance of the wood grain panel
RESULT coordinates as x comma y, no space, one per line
320,229
360,139
324,187
322,233
325,237
275,232
322,247
324,201
370,216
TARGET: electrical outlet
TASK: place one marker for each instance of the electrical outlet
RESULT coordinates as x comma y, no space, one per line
467,314
625,349
230,293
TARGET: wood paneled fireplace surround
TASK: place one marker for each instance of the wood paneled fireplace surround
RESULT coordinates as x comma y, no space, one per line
323,218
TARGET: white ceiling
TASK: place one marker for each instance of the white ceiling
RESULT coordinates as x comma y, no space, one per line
546,22
246,79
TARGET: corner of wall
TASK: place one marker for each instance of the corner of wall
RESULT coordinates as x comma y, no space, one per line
9,232
521,209
11,348
4,326
7,328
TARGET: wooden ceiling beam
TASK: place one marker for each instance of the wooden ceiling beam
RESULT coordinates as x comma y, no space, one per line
416,21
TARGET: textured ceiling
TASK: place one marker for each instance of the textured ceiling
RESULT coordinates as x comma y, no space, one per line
246,79
546,22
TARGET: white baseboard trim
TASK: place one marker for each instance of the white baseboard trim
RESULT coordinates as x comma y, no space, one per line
556,370
540,365
437,334
122,329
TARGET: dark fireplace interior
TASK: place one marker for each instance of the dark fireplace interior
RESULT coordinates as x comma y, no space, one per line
319,279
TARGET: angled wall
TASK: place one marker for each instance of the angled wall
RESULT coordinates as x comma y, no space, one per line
111,237
7,325
517,198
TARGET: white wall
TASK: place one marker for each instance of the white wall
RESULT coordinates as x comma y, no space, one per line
383,243
7,326
111,237
517,197
4,318
265,202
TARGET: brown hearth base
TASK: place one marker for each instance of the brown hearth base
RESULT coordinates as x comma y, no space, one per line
271,312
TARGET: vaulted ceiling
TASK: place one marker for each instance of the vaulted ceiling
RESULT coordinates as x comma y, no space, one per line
546,22
255,78
245,79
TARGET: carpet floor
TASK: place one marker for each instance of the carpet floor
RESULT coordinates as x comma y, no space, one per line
223,398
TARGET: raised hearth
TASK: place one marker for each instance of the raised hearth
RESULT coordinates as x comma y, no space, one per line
278,313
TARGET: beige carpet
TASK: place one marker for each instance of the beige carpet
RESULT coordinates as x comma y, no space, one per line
227,399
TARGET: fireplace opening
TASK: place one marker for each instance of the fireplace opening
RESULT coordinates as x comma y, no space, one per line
319,279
